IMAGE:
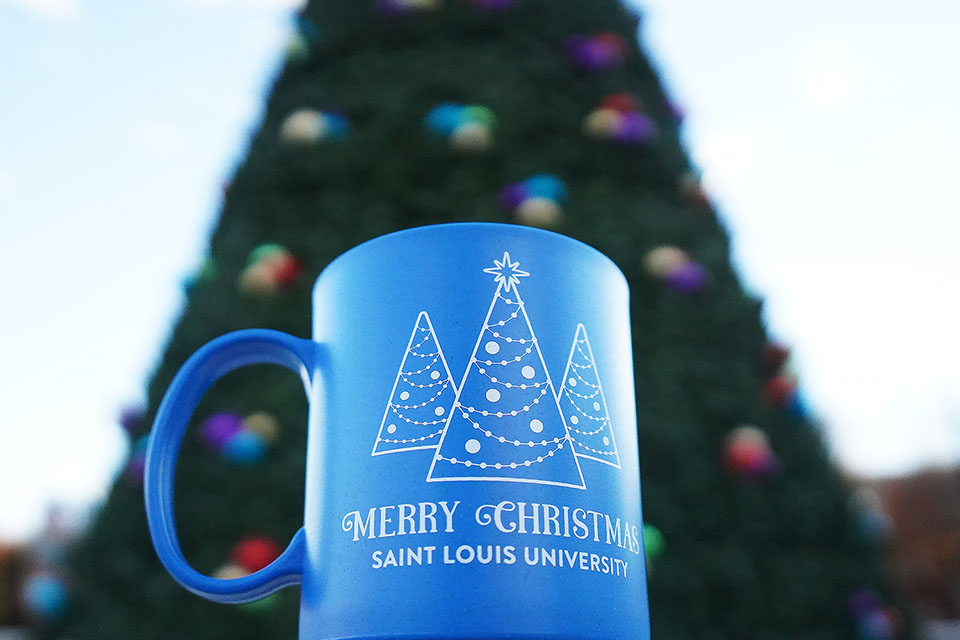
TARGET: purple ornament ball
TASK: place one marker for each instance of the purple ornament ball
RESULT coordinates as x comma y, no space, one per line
219,428
572,44
635,128
494,5
513,195
131,419
689,277
135,468
593,55
675,112
390,7
862,602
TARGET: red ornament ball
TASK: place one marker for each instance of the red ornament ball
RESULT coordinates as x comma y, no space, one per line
748,453
284,267
779,390
622,102
254,553
774,356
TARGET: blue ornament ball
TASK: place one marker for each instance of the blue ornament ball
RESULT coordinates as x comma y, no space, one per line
797,405
45,596
337,124
546,185
445,118
245,447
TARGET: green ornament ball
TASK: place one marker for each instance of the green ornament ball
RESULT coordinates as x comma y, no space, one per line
261,607
653,542
482,115
264,251
298,49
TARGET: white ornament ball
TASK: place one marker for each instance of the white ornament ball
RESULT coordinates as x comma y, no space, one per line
230,572
538,212
471,136
264,424
258,280
303,127
662,260
602,123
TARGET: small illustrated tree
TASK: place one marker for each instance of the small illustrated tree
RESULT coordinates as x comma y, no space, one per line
390,114
421,398
584,406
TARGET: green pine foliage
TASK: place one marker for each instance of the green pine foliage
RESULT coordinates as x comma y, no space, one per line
744,558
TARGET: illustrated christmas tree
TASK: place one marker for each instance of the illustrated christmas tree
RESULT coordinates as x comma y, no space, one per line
390,114
584,407
421,397
506,423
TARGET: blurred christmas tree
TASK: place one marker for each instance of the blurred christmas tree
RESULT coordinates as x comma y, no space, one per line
391,114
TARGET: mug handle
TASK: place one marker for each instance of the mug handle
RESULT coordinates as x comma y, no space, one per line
202,369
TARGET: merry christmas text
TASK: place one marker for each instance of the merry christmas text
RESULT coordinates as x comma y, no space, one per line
507,516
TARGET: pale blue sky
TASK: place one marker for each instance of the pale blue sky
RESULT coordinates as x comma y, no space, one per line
828,134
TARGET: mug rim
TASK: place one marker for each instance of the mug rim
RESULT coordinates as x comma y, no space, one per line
419,229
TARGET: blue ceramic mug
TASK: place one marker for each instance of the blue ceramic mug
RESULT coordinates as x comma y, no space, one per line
472,465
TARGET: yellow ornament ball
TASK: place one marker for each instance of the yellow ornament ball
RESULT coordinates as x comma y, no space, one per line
471,136
258,279
662,260
602,123
303,127
539,212
230,572
264,424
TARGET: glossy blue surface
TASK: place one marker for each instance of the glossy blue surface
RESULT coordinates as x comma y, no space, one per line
472,456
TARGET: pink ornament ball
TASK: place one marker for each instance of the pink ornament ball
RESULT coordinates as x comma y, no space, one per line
688,278
217,429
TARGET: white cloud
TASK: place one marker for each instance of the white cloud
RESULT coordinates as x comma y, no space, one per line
726,158
217,4
57,9
826,73
6,185
159,138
